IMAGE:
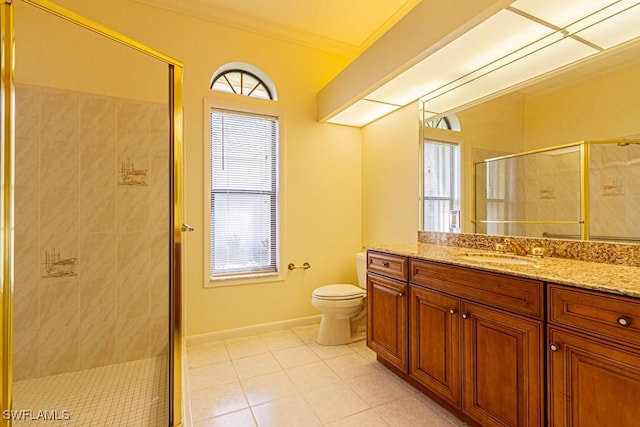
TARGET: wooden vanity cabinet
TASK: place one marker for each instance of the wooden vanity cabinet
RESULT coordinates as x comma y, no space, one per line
387,308
434,326
593,358
474,341
503,367
477,354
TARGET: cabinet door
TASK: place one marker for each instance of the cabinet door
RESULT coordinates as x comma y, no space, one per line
503,367
434,339
387,319
592,383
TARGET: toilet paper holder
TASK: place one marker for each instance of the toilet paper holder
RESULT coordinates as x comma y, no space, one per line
304,266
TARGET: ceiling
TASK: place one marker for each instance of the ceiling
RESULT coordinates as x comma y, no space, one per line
345,27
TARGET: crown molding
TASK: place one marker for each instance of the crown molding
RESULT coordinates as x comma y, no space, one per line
256,25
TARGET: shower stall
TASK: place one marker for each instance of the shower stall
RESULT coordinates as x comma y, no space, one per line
91,223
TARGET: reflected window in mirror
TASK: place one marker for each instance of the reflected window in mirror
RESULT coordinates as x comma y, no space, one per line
441,186
445,122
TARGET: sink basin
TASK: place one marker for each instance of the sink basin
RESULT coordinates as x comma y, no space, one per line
496,258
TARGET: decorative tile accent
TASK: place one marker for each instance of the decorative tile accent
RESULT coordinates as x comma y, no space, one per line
614,188
546,192
130,175
57,266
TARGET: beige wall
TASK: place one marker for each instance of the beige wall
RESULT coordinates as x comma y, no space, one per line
600,107
391,163
390,178
322,172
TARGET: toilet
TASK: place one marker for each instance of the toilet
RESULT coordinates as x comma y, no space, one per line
343,307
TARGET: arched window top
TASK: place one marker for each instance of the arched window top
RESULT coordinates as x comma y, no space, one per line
243,79
445,122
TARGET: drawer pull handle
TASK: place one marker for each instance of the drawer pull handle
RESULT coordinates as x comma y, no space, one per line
400,294
452,310
623,321
554,347
385,264
465,315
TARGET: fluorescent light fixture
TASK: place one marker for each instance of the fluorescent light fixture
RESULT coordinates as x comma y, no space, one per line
519,43
624,25
561,13
474,49
556,55
508,60
362,113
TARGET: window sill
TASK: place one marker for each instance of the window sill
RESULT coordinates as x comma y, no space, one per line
243,279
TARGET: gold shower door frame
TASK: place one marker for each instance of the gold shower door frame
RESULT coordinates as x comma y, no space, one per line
585,204
7,211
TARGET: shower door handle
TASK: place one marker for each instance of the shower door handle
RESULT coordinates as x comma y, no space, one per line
187,227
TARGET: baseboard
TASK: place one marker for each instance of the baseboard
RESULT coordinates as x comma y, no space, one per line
252,330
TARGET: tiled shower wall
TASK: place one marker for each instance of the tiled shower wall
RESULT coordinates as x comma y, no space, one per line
551,192
92,231
615,190
533,187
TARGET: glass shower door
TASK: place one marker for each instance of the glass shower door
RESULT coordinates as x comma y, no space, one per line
94,231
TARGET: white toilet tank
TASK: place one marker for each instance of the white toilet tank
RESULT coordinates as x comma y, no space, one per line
361,268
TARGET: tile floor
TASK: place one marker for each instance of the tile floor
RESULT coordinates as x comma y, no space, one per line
126,394
286,379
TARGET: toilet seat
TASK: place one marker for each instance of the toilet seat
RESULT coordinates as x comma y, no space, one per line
338,292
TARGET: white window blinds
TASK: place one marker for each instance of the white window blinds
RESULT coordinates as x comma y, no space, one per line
244,193
441,185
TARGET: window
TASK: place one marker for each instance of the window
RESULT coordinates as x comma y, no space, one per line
243,180
242,83
244,193
441,186
240,78
440,123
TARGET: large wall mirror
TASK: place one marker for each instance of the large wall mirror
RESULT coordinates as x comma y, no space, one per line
598,99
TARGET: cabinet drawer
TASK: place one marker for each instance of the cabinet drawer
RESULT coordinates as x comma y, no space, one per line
611,316
522,296
388,265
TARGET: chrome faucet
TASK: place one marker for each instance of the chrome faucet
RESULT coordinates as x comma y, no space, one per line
515,246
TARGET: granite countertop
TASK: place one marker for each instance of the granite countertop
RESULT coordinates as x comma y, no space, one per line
616,279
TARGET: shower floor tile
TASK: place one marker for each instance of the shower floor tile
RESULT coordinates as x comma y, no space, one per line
127,394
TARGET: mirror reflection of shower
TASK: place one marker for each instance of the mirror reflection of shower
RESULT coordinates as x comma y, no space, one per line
540,193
